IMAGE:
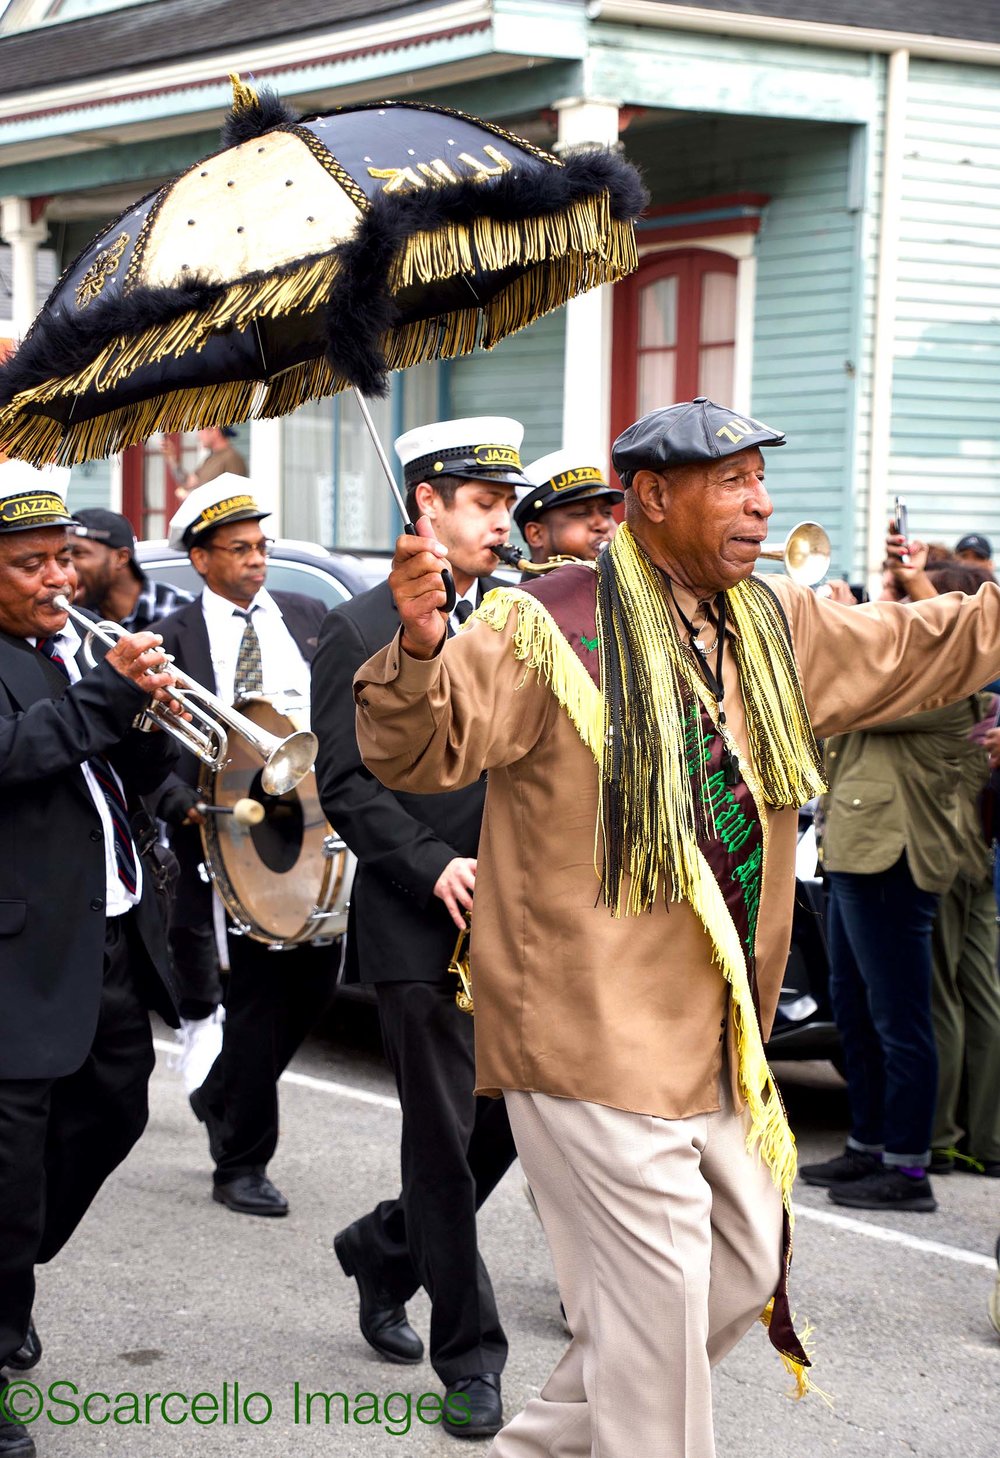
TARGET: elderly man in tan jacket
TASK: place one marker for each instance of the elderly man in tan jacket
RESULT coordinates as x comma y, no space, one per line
648,727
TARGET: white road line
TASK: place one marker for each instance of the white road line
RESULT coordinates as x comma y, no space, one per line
306,1080
896,1237
341,1090
806,1212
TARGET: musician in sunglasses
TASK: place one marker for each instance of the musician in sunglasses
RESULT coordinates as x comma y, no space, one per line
237,639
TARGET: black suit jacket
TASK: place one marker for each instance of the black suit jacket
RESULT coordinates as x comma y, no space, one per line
397,929
185,635
52,871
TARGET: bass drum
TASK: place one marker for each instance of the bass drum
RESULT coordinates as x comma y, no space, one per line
287,880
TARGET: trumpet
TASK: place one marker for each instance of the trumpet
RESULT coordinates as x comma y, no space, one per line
206,734
806,553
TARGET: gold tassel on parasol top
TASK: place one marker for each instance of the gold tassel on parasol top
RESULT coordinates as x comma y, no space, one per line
306,257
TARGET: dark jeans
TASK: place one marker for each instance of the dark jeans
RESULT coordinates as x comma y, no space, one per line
455,1149
60,1138
880,989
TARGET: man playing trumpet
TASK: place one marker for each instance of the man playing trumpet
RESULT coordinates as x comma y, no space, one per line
84,954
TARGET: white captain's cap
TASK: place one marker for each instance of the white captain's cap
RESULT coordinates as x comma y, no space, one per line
480,447
557,478
31,498
228,498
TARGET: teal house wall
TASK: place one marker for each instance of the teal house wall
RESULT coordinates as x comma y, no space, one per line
522,377
807,295
945,445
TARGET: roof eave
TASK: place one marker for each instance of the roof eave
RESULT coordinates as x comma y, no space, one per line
795,32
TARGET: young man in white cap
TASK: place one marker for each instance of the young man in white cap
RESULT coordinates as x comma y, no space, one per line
237,639
414,883
568,510
84,954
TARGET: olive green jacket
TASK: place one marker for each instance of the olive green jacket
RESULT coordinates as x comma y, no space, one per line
899,787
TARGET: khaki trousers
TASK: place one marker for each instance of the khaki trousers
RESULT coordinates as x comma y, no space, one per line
666,1240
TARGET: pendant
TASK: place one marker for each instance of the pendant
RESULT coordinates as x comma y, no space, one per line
730,758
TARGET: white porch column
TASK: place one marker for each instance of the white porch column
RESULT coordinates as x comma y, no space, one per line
266,466
24,237
587,365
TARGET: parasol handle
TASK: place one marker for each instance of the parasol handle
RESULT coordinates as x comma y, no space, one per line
447,581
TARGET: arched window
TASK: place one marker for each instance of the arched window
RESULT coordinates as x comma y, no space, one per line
674,332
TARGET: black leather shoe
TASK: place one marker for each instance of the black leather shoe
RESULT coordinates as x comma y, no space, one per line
381,1317
15,1441
473,1407
28,1354
251,1194
213,1126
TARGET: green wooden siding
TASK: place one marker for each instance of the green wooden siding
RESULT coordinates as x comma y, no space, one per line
523,378
729,75
805,335
946,377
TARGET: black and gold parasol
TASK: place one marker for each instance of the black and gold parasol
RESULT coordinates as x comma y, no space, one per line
305,257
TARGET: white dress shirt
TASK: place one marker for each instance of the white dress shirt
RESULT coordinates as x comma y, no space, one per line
117,899
284,669
471,597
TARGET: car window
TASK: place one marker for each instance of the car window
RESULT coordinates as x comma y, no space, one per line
282,576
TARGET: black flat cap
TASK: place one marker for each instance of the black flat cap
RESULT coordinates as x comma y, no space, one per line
107,527
682,435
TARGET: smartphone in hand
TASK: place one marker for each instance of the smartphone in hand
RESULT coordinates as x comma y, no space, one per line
901,526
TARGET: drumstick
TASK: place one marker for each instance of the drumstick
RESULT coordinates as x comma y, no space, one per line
244,812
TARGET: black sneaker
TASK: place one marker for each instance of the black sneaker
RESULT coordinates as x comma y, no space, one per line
853,1164
888,1189
15,1440
942,1161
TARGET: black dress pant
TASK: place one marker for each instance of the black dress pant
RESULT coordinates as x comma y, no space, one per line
272,1000
455,1149
61,1138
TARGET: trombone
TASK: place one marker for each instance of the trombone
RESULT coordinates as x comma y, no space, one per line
206,735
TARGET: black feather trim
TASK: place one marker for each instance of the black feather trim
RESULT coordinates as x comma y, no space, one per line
61,344
269,113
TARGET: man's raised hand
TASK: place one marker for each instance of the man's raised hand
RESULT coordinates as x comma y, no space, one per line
417,587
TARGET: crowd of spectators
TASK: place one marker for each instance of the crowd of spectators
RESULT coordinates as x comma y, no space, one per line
909,848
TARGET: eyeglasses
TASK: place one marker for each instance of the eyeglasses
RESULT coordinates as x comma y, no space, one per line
242,550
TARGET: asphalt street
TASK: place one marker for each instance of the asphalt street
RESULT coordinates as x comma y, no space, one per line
163,1291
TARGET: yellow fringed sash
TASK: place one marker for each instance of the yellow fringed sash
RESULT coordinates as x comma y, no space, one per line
542,647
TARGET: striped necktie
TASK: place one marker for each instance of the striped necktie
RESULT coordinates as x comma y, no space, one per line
249,668
105,776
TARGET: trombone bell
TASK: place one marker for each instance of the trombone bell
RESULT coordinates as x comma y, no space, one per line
805,554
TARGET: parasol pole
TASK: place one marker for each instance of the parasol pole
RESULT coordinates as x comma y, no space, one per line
448,581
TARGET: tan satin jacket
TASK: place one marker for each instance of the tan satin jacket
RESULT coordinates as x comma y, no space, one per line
571,1001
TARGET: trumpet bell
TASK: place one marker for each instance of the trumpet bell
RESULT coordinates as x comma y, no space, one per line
290,762
806,553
